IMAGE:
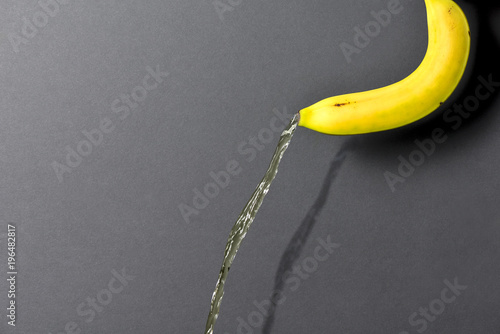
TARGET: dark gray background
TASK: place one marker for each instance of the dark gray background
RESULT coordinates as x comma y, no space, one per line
119,207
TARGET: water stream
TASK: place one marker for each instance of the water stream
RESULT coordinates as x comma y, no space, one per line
244,221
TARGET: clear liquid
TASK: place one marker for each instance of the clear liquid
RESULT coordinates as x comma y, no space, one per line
244,221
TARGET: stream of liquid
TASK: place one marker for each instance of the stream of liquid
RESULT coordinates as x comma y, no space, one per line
244,221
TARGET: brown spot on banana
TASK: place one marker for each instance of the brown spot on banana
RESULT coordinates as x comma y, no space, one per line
342,104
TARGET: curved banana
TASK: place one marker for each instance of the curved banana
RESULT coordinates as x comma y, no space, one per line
410,99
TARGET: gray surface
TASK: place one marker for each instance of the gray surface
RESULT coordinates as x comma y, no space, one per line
119,207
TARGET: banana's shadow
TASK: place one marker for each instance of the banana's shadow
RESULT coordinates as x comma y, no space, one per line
485,63
299,239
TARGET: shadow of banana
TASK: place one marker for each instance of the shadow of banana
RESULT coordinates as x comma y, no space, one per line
299,239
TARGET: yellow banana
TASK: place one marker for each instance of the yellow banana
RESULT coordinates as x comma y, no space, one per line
410,99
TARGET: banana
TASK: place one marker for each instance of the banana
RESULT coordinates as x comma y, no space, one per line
410,99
